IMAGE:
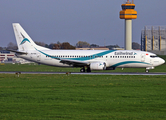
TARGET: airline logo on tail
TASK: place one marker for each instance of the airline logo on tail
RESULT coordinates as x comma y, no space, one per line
24,40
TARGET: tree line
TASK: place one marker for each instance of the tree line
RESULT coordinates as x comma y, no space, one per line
67,45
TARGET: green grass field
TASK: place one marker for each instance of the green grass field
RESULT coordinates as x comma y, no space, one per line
83,97
41,68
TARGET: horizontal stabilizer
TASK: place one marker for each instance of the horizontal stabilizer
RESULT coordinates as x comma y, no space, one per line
20,52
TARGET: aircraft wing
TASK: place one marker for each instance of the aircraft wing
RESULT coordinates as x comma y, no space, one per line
19,52
74,63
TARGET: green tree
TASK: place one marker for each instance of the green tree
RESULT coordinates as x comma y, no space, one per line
12,46
81,44
136,46
67,45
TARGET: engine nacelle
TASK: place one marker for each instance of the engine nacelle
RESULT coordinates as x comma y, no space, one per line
98,66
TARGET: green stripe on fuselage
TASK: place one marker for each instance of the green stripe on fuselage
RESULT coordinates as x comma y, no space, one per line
89,57
127,62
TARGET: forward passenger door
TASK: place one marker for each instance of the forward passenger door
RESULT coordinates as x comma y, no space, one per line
142,57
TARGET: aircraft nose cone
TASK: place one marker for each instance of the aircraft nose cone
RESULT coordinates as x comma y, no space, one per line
162,61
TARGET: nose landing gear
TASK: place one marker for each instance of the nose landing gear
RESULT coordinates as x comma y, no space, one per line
147,71
148,68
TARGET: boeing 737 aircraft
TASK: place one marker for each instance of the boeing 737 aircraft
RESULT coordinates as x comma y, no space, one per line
87,60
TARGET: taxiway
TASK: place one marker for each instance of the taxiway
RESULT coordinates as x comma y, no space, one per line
79,73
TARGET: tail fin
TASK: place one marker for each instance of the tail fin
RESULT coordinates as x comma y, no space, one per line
24,42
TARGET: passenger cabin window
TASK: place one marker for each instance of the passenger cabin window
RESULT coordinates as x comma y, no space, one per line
153,56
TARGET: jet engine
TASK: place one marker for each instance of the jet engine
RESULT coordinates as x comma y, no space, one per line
98,66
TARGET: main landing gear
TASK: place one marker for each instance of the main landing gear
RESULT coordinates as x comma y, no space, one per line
82,69
87,70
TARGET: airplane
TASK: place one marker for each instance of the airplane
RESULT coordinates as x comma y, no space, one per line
87,60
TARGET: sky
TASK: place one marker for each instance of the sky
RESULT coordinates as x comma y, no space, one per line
93,21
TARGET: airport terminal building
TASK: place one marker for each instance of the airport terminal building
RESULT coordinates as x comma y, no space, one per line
6,56
9,57
153,39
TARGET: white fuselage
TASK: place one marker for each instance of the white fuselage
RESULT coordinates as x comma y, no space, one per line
89,59
112,58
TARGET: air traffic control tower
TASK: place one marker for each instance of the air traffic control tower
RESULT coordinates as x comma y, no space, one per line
128,13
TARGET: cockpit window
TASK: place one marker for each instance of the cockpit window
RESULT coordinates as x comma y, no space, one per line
153,56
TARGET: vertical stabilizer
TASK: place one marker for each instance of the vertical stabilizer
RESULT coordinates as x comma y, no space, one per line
24,42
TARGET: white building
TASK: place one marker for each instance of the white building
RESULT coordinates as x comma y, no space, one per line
9,57
153,39
6,56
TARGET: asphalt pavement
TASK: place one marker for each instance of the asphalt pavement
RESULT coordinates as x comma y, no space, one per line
84,73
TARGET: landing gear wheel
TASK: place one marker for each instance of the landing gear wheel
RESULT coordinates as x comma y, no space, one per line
82,70
88,69
147,71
